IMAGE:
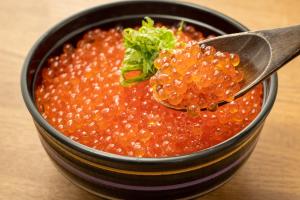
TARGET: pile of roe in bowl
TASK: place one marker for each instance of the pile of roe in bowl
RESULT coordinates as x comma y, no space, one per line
79,94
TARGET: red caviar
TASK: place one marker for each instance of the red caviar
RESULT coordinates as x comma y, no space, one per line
80,95
195,77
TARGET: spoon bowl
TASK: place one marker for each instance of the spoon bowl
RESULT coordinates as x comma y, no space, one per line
261,54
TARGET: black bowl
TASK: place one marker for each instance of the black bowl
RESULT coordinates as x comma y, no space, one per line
113,176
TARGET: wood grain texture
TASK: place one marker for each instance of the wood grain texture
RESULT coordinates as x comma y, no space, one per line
26,172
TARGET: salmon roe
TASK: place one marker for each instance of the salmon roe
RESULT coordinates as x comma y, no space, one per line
195,77
80,95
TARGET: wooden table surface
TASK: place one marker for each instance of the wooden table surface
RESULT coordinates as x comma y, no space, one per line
26,172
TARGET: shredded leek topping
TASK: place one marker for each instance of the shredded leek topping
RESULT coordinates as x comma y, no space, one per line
142,48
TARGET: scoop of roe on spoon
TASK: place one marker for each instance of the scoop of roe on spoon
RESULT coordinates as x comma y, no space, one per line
194,77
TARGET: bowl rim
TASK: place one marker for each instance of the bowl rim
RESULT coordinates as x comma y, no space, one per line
268,104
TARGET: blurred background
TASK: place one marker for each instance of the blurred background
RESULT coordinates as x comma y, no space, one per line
272,172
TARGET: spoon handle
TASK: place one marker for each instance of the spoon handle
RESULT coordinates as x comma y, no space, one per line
284,44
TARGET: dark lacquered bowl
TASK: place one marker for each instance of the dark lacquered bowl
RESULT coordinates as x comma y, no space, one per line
113,176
